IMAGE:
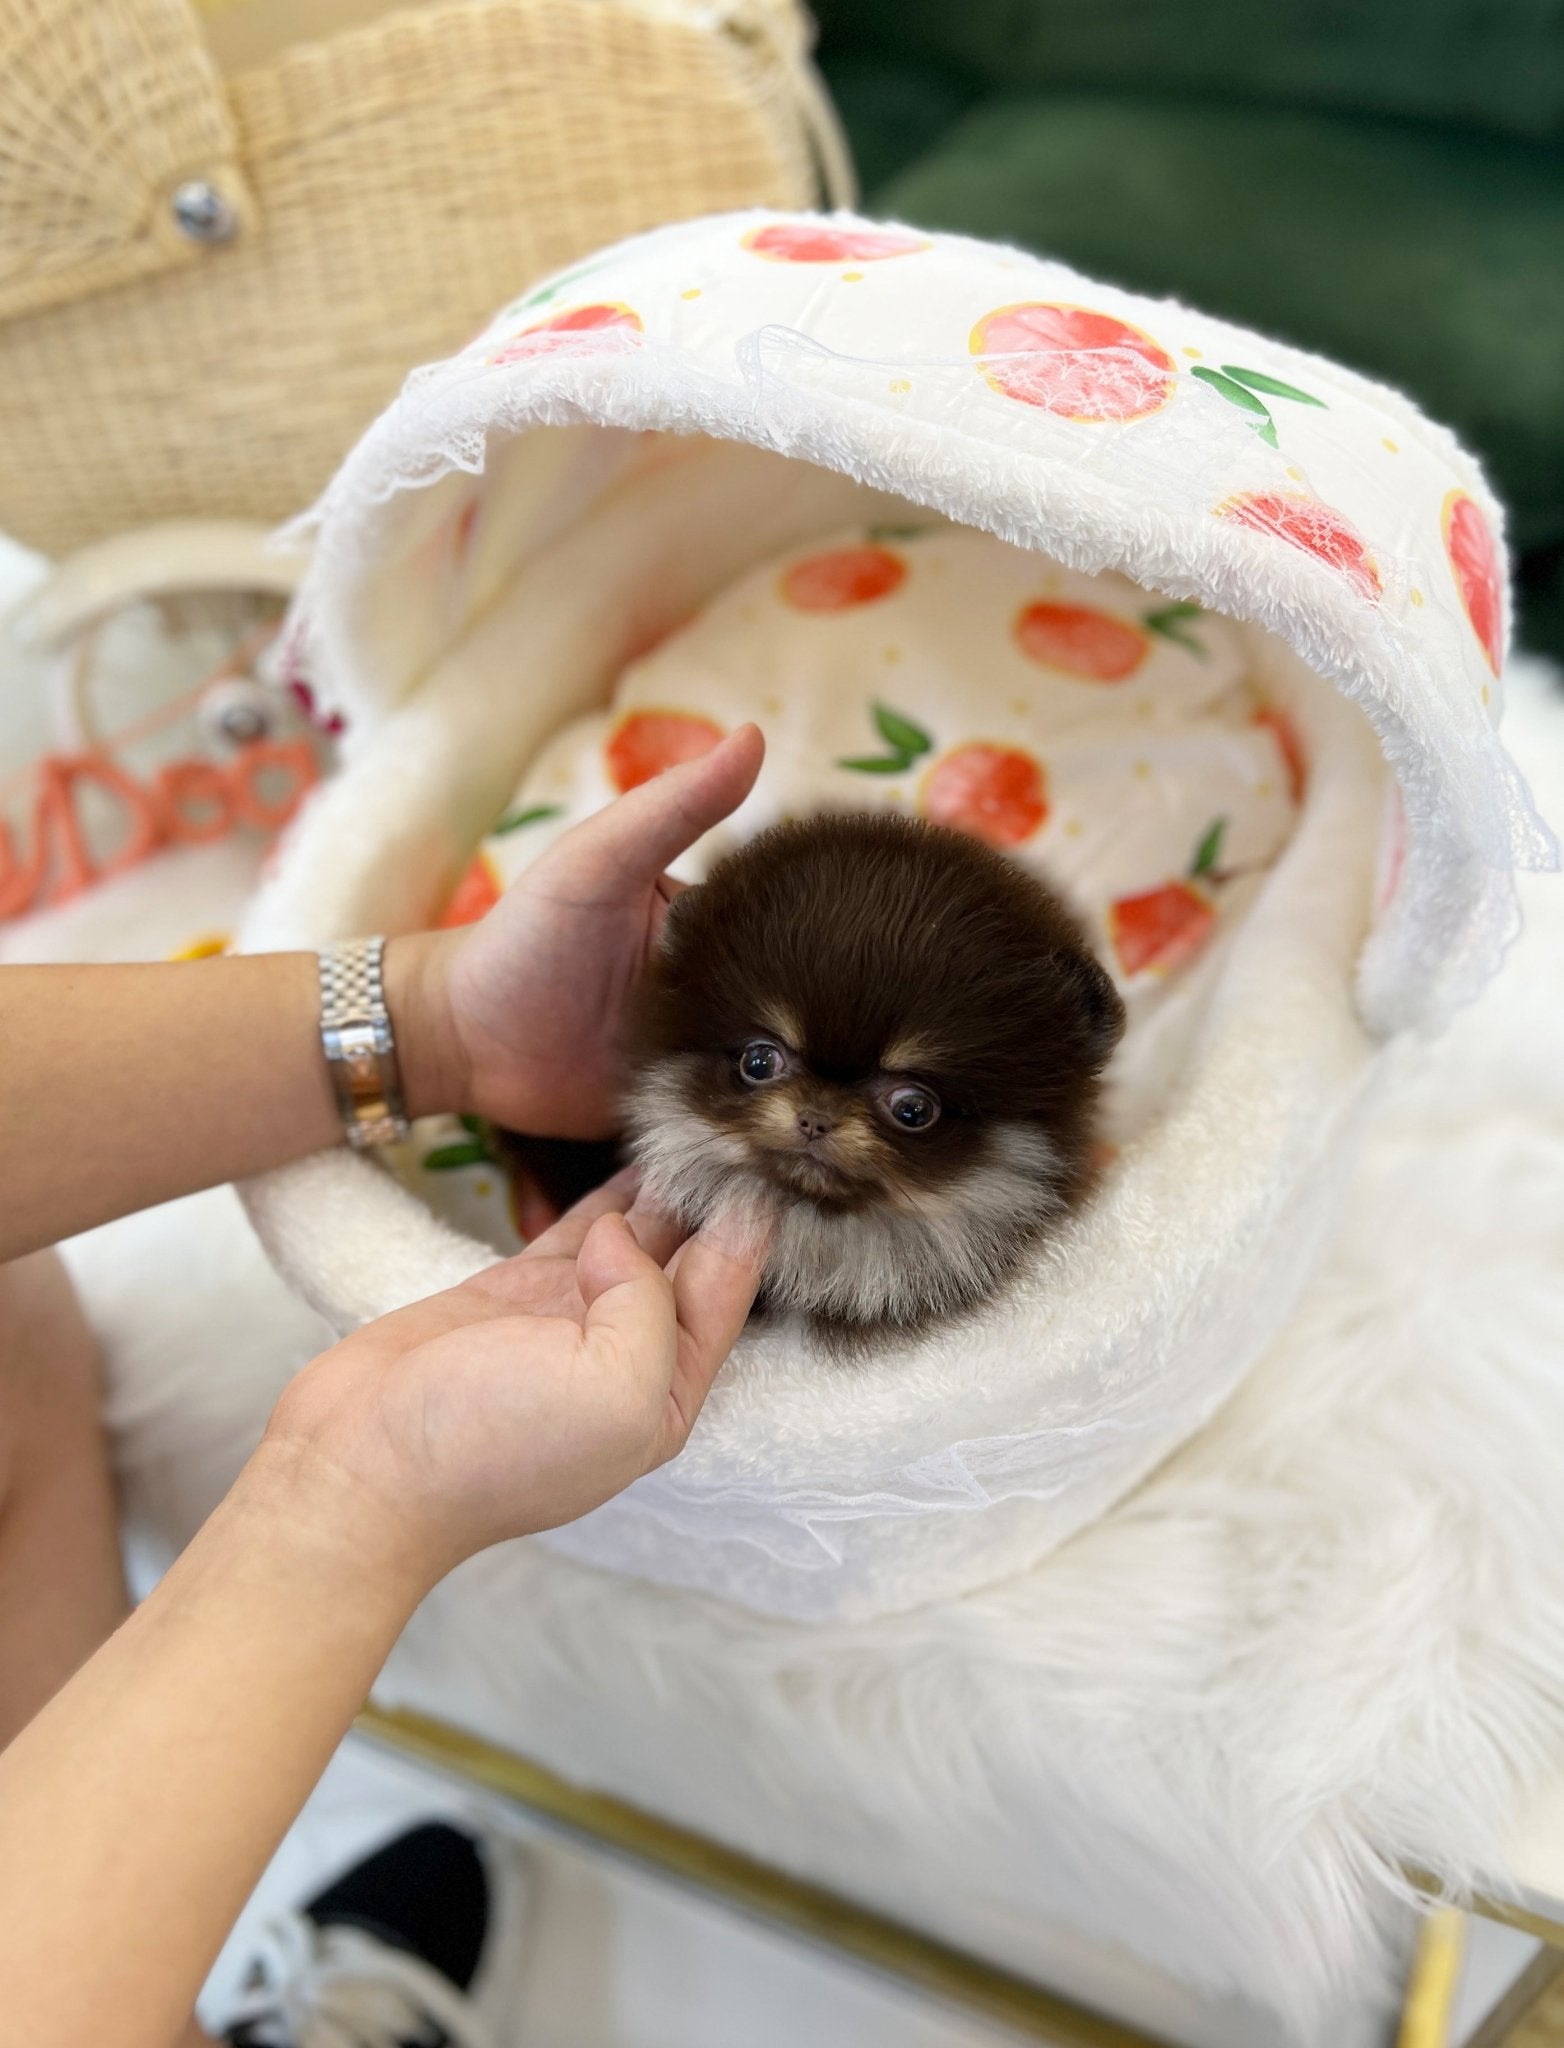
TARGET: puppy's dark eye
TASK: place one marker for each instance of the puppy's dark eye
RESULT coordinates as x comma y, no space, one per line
912,1107
761,1061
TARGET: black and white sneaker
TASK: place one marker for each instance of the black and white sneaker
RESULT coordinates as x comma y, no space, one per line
407,1950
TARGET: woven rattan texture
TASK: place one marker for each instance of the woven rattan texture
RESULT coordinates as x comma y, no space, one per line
407,177
104,106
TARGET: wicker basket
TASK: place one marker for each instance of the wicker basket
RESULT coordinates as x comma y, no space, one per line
209,285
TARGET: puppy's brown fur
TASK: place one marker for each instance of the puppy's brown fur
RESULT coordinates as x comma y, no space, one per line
881,965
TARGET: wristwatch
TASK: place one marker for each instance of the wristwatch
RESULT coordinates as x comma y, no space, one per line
360,1047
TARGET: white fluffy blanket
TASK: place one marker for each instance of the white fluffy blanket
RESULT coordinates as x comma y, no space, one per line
1323,1643
1326,1639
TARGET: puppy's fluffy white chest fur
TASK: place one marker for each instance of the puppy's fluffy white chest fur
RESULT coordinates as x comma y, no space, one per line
902,1258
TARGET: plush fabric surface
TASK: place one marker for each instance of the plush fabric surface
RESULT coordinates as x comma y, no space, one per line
1010,393
1324,1642
623,443
1326,1638
1428,258
933,671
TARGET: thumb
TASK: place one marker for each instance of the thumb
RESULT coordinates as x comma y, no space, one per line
716,1275
628,1296
627,846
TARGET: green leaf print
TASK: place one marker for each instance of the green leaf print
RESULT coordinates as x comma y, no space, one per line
1235,394
883,534
1209,850
1273,387
901,733
1171,623
554,286
908,741
1238,387
473,1125
534,814
446,1158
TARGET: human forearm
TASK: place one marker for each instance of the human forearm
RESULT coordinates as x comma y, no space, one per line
138,1809
123,1086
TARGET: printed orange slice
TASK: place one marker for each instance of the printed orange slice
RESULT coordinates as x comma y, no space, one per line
475,895
547,334
1474,562
1069,360
1092,645
821,241
644,743
842,578
1160,930
997,794
1315,529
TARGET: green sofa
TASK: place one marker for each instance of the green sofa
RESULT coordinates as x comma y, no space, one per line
1381,180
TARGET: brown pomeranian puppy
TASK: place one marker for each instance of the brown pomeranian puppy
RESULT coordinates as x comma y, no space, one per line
887,1037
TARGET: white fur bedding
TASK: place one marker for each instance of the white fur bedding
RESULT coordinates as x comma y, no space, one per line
1324,1642
1326,1638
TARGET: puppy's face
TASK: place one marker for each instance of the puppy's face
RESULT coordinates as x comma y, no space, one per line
858,1012
838,1116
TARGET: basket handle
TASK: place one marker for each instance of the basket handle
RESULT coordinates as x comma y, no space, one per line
786,32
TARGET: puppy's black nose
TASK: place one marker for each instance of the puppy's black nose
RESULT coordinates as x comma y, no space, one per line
813,1123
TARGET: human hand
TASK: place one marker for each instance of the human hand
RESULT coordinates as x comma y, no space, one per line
517,1018
525,1396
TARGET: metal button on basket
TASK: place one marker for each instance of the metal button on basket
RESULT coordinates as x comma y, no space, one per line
201,212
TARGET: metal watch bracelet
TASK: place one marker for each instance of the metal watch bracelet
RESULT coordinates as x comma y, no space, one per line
360,1047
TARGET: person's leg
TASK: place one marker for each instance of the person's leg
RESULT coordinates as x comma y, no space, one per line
427,1896
62,1587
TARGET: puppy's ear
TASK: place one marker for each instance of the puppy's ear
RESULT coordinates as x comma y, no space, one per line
1103,1004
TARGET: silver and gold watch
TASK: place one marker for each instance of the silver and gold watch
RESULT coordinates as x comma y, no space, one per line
360,1047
